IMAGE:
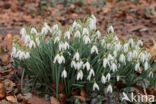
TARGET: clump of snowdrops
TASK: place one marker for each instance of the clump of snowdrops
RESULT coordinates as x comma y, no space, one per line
81,57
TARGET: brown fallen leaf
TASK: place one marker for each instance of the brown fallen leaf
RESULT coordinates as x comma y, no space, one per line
37,100
83,92
2,90
53,100
11,99
5,59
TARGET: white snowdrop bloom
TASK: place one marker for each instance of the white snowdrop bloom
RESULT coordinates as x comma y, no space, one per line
103,79
98,34
27,55
130,56
79,65
110,57
37,41
63,46
142,57
109,46
113,67
117,47
67,35
146,66
76,56
131,42
109,89
105,62
110,29
137,66
23,32
64,74
32,44
73,64
95,86
85,31
118,78
122,58
27,39
108,77
94,49
77,34
115,53
47,27
150,74
139,43
21,55
33,31
92,24
86,39
59,58
94,18
135,54
74,24
102,42
125,48
13,52
91,73
87,66
80,75
57,39
116,38
44,31
55,27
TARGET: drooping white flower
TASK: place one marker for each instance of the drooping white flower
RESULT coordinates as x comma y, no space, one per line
47,27
94,49
150,74
103,79
139,43
109,89
73,64
67,35
113,67
116,38
27,55
37,41
118,78
115,53
80,75
76,56
87,66
92,24
64,74
23,33
55,27
85,31
131,42
91,73
13,52
118,47
134,54
59,58
108,77
105,62
32,44
146,65
125,48
44,31
77,34
33,31
137,66
142,57
57,39
86,39
94,18
110,29
110,57
98,34
95,86
122,58
63,46
79,64
21,55
129,56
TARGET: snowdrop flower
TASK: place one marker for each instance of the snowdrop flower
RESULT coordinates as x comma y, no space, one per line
80,75
115,53
122,58
131,42
73,64
102,42
103,79
86,39
64,74
63,46
94,18
139,43
77,34
85,31
91,73
116,38
108,76
146,65
92,24
47,27
27,55
21,55
110,29
125,48
78,65
23,33
13,51
57,39
134,54
44,31
142,57
98,34
59,58
55,27
105,62
32,44
76,56
129,56
117,47
137,66
94,49
74,24
67,35
33,31
95,86
110,57
37,41
118,78
109,89
87,66
109,46
26,39
113,67
150,74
